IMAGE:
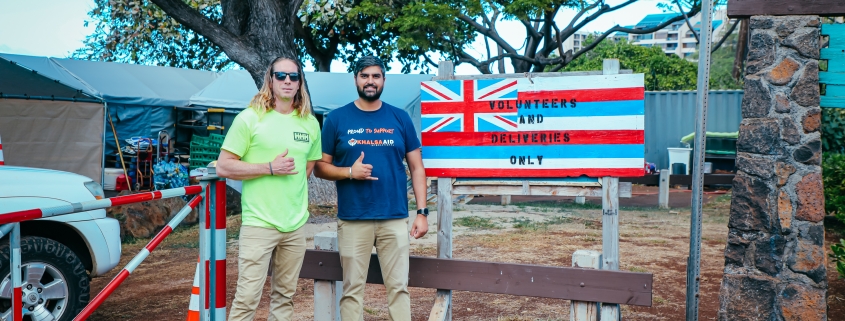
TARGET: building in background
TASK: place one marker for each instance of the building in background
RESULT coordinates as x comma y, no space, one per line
676,38
576,41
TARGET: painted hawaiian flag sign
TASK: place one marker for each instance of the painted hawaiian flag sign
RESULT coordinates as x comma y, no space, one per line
541,127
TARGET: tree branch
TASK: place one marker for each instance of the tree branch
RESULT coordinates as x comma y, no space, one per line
689,25
725,37
483,30
741,49
429,61
570,29
234,16
193,19
561,62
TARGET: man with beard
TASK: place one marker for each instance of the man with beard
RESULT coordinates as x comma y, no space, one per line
372,202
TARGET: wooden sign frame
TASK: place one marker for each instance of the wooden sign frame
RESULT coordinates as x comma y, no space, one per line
606,187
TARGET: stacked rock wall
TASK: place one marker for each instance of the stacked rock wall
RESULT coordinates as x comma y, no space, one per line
775,259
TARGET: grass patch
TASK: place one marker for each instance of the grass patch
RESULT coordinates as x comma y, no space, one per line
476,222
546,206
659,300
524,223
637,269
371,311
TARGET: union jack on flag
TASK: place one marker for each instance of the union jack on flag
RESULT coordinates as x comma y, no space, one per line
469,105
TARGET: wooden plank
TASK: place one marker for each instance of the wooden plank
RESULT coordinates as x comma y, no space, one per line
445,70
506,200
533,190
442,306
580,310
834,95
610,67
835,91
746,8
835,61
580,200
832,102
832,78
836,33
610,237
579,181
625,190
536,75
709,179
836,53
327,293
503,278
444,238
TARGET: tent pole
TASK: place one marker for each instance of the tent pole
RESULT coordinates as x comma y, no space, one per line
103,152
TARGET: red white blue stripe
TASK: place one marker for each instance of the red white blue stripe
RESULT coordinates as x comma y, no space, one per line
542,127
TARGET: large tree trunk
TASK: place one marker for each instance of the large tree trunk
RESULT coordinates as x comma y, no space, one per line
253,32
321,192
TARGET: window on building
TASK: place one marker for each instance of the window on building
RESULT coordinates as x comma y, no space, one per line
690,34
689,45
671,46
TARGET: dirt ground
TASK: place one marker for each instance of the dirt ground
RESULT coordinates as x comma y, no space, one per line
542,231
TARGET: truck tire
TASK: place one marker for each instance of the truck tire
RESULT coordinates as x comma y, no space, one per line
55,283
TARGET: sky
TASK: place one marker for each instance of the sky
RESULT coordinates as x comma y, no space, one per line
56,28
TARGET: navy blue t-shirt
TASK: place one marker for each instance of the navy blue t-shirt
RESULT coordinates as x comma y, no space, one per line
385,136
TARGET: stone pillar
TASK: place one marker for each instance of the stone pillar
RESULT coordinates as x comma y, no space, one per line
774,258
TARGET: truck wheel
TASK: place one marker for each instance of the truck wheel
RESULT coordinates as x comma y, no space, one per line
55,284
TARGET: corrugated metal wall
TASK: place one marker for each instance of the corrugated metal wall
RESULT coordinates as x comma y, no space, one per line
670,115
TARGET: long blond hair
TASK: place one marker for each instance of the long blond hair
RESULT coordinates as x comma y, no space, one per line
264,100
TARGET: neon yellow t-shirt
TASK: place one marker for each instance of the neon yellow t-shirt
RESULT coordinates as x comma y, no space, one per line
280,201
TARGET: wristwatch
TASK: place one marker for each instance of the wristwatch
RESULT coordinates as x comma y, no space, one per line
423,212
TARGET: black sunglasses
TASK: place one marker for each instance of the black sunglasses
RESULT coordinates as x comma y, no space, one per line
281,75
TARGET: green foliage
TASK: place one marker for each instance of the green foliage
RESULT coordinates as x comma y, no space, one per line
838,257
137,31
833,178
833,130
662,72
476,222
721,65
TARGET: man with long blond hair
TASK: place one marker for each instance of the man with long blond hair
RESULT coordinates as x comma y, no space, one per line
272,147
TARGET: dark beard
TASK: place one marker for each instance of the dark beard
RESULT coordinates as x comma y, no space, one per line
370,98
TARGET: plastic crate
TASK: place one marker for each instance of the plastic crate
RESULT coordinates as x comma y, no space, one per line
197,163
216,138
200,140
204,156
207,149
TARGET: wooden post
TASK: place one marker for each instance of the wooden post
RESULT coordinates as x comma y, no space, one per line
506,200
580,310
442,310
327,293
580,200
610,237
663,197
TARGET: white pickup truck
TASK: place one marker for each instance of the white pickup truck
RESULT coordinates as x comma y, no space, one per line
59,254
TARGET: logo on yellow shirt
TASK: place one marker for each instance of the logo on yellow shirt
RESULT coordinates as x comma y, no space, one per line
301,137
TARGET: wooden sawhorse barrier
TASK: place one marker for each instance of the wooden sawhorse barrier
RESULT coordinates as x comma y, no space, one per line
592,280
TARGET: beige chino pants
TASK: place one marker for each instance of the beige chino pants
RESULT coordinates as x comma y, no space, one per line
392,241
256,245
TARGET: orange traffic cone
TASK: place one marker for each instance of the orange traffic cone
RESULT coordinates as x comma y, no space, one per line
194,306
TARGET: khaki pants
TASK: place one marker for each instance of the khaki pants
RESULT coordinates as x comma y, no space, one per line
256,244
392,242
